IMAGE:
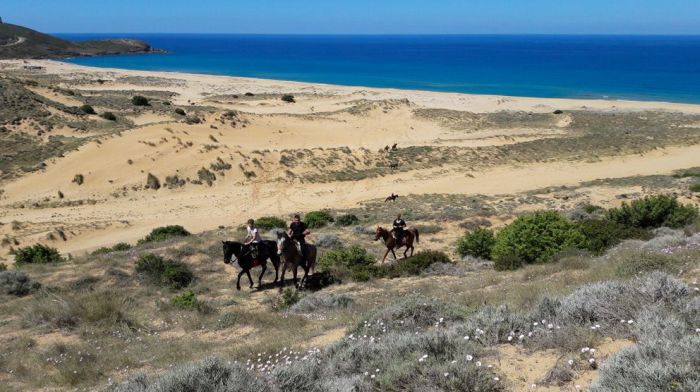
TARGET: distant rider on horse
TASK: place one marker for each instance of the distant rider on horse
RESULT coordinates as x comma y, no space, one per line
398,230
298,232
252,238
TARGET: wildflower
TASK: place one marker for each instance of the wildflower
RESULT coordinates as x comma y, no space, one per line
372,376
478,363
591,361
469,357
496,379
533,386
571,362
447,374
585,350
521,337
630,322
510,338
466,337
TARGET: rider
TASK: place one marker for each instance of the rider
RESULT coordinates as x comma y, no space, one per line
252,238
298,232
399,225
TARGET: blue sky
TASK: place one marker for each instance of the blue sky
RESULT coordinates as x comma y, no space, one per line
358,16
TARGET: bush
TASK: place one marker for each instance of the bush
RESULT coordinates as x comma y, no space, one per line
478,243
535,238
87,109
695,188
654,211
16,283
164,272
78,179
205,175
417,263
347,220
211,374
602,234
180,112
286,298
191,120
3,267
120,247
353,261
165,233
186,300
318,219
139,100
152,182
37,254
270,222
328,240
633,263
288,98
109,116
322,301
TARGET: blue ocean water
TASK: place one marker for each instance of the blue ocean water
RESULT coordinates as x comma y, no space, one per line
665,68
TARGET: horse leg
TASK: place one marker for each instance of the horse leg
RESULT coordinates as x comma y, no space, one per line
276,264
264,268
284,269
238,281
249,278
296,267
385,255
394,254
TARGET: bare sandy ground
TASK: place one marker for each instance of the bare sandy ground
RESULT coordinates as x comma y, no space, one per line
158,145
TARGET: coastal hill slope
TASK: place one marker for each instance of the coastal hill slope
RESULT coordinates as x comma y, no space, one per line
17,42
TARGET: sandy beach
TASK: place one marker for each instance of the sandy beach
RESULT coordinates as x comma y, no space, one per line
329,129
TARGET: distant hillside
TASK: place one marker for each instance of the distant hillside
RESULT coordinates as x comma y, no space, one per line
21,42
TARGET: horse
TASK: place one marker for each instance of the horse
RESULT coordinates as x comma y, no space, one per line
409,236
236,251
393,197
287,248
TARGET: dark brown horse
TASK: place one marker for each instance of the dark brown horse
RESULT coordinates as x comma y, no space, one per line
393,197
408,237
238,252
288,250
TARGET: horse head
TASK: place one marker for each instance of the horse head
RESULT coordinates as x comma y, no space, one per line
282,241
380,233
231,249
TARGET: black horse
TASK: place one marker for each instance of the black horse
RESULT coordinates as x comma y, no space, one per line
236,251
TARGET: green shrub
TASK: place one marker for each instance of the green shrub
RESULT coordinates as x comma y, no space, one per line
417,263
478,243
270,222
79,179
16,283
507,262
352,261
287,298
654,211
152,182
206,176
180,112
347,220
318,219
164,233
288,98
164,272
186,300
695,188
633,263
37,254
602,234
3,267
109,116
87,109
535,238
139,100
120,247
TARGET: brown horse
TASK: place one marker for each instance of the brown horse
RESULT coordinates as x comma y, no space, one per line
393,197
408,237
287,248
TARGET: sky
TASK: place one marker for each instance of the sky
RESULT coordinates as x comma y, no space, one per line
357,16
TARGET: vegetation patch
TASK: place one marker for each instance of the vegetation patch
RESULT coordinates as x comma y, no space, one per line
478,243
139,100
79,179
37,254
165,233
654,211
347,220
163,272
87,109
270,222
318,219
16,283
120,247
602,234
109,116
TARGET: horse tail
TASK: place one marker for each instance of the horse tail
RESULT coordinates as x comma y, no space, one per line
415,233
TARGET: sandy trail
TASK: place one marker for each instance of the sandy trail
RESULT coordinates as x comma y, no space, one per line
206,208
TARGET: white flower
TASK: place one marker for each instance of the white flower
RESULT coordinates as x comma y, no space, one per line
469,357
447,374
372,376
441,319
591,350
521,337
550,326
478,363
630,321
510,338
578,386
585,349
571,362
591,361
533,386
496,379
466,337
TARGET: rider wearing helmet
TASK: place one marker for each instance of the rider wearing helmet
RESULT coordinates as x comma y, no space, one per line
252,238
298,232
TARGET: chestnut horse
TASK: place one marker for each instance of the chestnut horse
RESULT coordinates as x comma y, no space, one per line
408,237
238,252
287,248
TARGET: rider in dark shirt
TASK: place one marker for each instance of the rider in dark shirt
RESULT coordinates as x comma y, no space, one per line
399,225
298,231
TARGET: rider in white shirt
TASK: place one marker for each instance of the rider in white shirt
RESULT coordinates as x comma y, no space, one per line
252,238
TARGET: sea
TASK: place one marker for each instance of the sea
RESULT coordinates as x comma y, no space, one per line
654,68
